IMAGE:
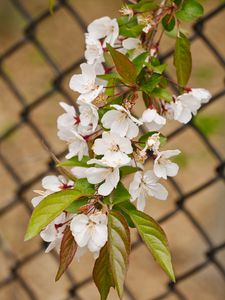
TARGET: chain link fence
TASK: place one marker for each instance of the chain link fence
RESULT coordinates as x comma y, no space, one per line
25,182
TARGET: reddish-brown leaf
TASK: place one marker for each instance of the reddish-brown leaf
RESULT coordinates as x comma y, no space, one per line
102,273
124,66
67,251
119,248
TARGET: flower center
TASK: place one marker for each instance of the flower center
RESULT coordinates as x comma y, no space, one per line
115,148
76,120
65,186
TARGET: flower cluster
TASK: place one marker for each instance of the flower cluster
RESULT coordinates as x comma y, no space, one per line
104,134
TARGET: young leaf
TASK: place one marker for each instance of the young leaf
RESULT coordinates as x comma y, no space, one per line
151,84
155,239
122,208
168,22
182,59
120,194
102,274
68,249
145,5
191,10
74,161
119,248
129,26
131,31
177,2
109,76
162,94
159,69
140,60
48,209
84,186
124,66
75,205
126,170
110,88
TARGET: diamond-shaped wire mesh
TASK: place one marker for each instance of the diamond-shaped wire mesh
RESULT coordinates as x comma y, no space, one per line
30,93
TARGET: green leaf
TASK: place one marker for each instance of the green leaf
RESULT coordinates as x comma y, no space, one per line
182,59
127,206
126,170
191,10
115,100
124,66
140,60
155,239
75,205
84,186
162,94
102,274
110,88
48,209
156,65
119,194
145,5
149,85
108,76
122,208
157,69
129,27
75,162
177,2
134,31
168,22
68,249
119,248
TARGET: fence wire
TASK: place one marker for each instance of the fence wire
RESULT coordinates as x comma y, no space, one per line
30,36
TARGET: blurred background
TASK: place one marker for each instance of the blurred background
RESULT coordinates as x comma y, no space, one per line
38,55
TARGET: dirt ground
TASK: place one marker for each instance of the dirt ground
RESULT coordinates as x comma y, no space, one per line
63,40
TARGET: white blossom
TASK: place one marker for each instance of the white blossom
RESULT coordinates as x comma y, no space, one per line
104,28
94,51
146,185
69,119
90,231
202,95
85,83
188,103
77,143
152,120
108,172
84,124
51,184
121,121
53,233
163,167
113,147
133,44
88,115
184,106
